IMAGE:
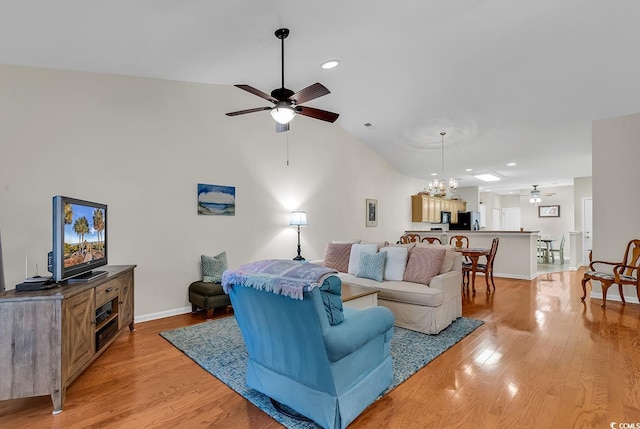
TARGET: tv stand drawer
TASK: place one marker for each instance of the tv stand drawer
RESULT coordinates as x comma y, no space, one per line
106,292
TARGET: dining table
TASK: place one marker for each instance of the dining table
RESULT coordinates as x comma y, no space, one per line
474,254
547,248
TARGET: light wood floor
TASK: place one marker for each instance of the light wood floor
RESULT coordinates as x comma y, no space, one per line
541,360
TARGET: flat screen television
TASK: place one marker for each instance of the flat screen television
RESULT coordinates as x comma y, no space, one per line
79,239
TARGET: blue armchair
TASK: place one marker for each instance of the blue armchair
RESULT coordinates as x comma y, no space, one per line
328,373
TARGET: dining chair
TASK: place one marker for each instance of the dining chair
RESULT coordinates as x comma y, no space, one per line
559,251
460,240
432,240
409,238
540,251
621,273
487,268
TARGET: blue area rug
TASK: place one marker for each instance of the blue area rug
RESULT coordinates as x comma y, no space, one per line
218,347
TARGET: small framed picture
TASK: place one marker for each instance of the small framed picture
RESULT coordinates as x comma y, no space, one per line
548,211
372,212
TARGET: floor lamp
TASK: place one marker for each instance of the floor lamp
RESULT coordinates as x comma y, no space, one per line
298,218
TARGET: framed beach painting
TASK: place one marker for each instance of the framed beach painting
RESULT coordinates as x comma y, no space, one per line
548,211
216,200
372,212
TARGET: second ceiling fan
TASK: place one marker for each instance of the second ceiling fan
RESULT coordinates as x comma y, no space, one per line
286,102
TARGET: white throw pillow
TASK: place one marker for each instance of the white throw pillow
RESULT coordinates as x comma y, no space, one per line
354,257
395,263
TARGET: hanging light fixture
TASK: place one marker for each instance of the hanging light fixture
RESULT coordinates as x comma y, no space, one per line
535,195
283,113
439,187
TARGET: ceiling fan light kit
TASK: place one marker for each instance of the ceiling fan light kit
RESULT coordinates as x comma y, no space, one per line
286,102
535,195
282,113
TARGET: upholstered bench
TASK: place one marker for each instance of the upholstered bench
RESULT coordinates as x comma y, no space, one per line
208,296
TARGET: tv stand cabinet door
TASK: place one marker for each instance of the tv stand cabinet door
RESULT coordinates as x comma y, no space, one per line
78,333
125,301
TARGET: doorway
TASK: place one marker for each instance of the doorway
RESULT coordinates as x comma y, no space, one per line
495,220
511,219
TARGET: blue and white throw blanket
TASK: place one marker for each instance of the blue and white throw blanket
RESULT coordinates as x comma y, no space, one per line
279,276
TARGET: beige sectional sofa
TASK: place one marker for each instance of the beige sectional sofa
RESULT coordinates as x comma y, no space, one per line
424,294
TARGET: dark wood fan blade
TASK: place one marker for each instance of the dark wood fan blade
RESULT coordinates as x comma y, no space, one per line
281,127
257,92
309,93
323,115
242,112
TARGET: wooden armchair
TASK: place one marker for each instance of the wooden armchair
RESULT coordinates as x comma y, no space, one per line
432,240
621,273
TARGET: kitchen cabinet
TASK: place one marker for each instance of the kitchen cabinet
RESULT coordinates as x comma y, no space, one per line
426,208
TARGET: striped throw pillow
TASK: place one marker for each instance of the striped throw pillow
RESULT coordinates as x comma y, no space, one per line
424,264
336,256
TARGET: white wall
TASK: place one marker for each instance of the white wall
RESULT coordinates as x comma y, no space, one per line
142,145
553,226
616,150
582,188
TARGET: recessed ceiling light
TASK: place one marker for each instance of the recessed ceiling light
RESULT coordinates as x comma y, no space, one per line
487,177
434,174
469,169
511,164
330,64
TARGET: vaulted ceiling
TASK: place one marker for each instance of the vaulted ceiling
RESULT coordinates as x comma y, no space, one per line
509,82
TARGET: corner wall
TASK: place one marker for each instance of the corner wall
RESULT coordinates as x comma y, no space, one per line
616,151
142,146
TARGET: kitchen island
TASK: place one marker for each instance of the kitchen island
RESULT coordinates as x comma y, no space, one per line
517,256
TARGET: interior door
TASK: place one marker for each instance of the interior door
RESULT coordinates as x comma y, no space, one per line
587,227
511,219
495,220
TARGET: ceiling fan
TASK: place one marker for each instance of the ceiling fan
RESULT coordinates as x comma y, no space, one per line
535,194
286,102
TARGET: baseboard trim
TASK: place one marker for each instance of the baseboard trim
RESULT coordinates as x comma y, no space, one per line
615,297
162,314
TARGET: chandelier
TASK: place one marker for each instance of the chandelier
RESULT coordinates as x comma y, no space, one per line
535,195
438,187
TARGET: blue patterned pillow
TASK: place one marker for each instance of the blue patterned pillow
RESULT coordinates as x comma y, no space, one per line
371,265
213,267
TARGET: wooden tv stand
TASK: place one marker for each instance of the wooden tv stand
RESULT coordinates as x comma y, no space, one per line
49,337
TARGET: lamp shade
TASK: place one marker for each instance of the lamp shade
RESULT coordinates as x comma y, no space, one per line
283,113
298,217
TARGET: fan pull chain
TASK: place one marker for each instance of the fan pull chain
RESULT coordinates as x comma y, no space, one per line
287,149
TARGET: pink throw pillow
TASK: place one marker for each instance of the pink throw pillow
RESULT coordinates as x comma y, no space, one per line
336,256
424,264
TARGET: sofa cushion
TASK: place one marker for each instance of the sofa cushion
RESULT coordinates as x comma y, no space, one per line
423,264
399,291
336,256
331,294
371,265
213,267
395,263
354,256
